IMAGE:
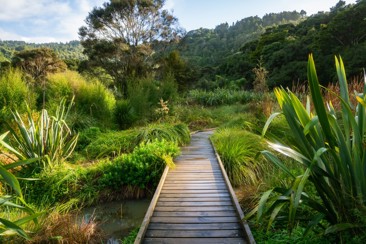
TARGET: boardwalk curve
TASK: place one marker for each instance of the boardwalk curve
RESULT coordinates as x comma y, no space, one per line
194,202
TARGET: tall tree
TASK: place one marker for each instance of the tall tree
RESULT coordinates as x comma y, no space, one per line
37,63
119,36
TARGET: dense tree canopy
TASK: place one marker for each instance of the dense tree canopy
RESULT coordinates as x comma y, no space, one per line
119,36
39,62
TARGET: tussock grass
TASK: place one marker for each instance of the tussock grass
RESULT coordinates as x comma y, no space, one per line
238,150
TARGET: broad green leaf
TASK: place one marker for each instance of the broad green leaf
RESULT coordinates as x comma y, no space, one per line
268,122
13,227
340,227
262,204
11,180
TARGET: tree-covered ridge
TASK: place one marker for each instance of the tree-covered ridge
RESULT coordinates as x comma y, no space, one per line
209,47
283,49
67,51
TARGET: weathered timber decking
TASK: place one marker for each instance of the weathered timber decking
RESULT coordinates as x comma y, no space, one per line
194,202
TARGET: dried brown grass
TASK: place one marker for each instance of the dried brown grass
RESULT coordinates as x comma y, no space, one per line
68,228
332,92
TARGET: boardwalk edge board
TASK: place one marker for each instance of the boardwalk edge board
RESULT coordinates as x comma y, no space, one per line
150,210
247,231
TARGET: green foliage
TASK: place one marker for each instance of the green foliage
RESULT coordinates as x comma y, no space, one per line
14,94
38,62
117,142
142,167
238,150
297,236
221,97
124,114
207,49
178,133
130,239
92,98
48,138
329,145
144,95
69,50
13,198
78,185
87,136
111,144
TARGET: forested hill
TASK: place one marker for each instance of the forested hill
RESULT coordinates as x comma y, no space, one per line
207,47
67,51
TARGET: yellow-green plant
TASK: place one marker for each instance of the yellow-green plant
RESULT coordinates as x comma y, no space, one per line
329,145
14,198
48,138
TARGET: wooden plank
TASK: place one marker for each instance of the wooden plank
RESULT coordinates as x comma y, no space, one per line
194,199
193,195
192,170
193,191
195,187
151,208
193,220
197,181
205,226
186,184
193,233
195,240
195,214
193,204
195,209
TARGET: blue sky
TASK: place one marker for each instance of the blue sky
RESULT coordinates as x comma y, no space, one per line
59,20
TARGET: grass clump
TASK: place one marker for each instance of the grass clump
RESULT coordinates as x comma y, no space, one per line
238,150
111,143
221,96
114,143
92,98
178,133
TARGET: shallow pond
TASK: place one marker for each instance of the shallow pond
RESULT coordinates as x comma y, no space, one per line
117,219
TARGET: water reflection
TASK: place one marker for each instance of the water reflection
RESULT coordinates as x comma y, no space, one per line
118,218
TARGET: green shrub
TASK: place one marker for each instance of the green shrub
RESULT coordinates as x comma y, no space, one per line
14,94
124,114
238,150
77,185
116,142
144,95
87,136
142,167
91,97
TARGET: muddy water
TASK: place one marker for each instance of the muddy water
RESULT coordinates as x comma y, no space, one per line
117,219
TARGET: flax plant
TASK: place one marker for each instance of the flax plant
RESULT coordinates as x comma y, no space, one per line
13,197
48,138
330,147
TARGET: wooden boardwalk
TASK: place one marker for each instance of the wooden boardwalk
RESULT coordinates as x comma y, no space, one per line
194,202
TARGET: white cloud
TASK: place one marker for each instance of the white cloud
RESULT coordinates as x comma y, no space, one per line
43,20
17,10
